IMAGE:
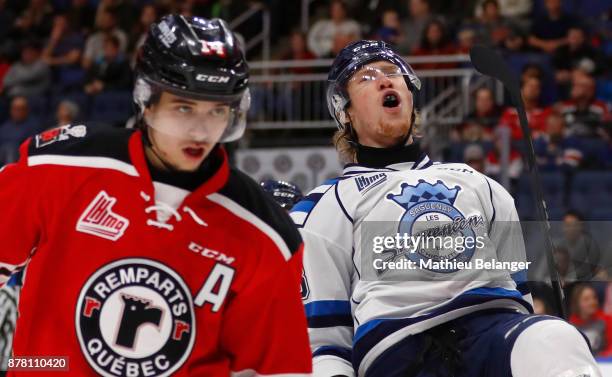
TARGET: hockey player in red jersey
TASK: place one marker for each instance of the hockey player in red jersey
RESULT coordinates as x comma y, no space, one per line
144,253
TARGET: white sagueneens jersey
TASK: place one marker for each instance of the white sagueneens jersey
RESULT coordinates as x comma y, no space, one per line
364,290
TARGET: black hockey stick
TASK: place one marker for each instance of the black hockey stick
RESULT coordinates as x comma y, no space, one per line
490,63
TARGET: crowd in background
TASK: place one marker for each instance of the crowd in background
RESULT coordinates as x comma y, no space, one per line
62,60
56,55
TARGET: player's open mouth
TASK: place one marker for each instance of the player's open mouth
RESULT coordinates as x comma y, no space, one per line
194,152
391,99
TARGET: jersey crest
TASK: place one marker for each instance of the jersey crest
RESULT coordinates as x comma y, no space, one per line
437,229
134,317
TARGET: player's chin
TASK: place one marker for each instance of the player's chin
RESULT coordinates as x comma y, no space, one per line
394,128
189,164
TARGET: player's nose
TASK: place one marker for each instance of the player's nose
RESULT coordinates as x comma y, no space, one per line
384,82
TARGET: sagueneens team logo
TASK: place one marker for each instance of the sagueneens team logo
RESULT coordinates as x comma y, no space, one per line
134,318
433,222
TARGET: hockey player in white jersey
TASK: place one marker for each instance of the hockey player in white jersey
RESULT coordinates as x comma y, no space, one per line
380,298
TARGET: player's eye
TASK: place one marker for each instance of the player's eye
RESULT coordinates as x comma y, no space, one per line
183,109
220,112
367,77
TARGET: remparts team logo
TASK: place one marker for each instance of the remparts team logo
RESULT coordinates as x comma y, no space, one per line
135,318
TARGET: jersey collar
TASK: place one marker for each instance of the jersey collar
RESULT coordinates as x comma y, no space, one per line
404,157
213,184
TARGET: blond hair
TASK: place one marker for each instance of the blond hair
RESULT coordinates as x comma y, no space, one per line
345,140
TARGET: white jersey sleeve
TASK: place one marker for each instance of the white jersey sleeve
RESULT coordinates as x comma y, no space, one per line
327,279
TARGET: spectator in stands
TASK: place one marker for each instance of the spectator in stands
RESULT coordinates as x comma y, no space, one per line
564,266
549,31
478,126
585,255
537,114
81,16
30,76
584,114
414,26
517,11
94,46
63,52
493,163
587,316
435,41
605,155
474,156
554,149
493,27
35,20
515,42
576,54
125,11
298,51
291,99
113,72
16,129
486,112
467,39
532,70
543,296
67,112
390,29
148,15
325,35
4,68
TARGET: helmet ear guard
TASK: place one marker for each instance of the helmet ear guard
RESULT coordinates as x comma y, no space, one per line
237,123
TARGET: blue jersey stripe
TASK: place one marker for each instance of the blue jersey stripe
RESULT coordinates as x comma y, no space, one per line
327,307
303,206
343,353
323,321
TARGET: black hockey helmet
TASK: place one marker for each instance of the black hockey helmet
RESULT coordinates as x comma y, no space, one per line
196,58
350,59
286,194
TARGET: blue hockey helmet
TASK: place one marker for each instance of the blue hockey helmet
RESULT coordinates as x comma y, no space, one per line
350,59
286,194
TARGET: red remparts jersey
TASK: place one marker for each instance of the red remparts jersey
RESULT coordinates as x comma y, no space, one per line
213,291
536,118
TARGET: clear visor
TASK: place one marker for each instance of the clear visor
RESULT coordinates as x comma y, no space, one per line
367,77
368,74
189,118
200,123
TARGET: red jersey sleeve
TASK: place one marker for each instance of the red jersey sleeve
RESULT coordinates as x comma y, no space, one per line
265,329
20,223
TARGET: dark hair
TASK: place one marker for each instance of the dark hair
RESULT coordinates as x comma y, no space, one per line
443,39
536,66
575,296
31,43
524,80
489,2
341,2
